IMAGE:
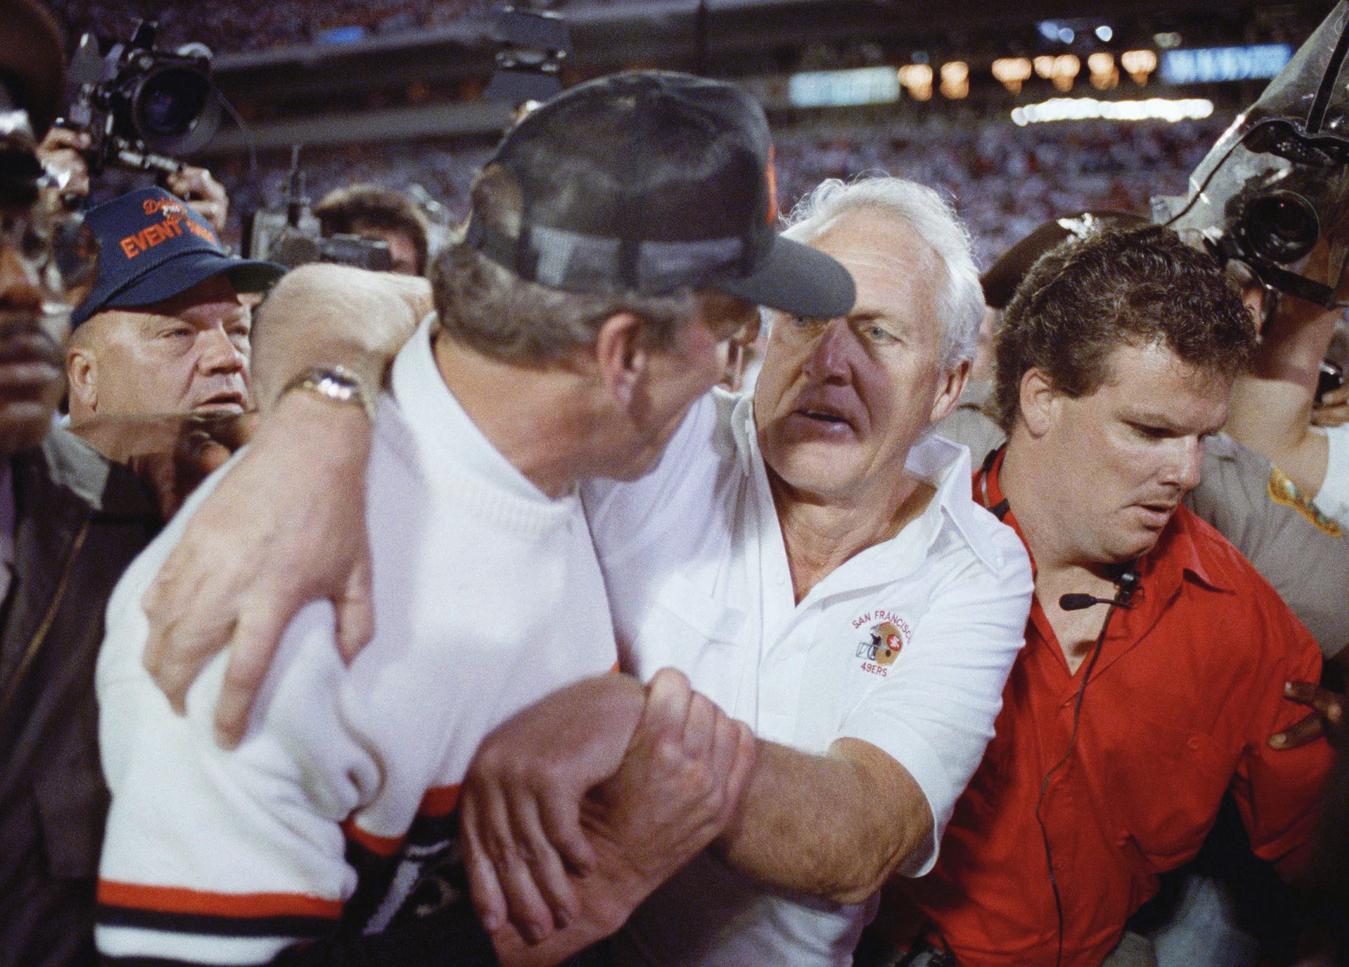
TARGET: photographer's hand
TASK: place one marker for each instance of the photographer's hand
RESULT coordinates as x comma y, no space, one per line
62,153
199,189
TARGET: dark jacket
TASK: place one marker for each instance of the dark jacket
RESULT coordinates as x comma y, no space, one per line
79,522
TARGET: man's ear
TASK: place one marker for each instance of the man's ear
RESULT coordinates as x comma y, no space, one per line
950,387
621,357
82,376
1038,401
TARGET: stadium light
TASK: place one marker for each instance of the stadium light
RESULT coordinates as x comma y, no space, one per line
1012,72
1139,64
1101,66
955,79
917,80
1066,69
1089,108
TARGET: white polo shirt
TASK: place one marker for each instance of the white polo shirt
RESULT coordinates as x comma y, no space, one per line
907,646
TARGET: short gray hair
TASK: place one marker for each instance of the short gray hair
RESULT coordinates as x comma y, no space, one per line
960,302
491,309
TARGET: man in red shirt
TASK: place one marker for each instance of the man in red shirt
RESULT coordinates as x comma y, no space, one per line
1156,657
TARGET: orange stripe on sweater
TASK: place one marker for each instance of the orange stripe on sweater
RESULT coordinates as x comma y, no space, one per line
175,899
379,845
439,801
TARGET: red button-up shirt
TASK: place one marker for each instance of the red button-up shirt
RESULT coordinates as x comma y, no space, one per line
1187,689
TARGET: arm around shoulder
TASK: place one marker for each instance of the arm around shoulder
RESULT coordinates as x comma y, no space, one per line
326,315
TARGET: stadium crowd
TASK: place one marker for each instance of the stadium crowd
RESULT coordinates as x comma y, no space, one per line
233,27
640,575
1004,181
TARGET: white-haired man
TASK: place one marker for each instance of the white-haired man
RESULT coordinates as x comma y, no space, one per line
811,557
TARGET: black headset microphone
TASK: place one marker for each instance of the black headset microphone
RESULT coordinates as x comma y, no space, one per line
1127,582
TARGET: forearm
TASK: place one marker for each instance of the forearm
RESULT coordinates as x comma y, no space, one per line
1273,418
1271,405
875,817
328,315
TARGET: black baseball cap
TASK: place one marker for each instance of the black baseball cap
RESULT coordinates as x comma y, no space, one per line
653,181
152,246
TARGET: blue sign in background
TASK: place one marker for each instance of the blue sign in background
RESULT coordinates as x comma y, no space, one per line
1214,65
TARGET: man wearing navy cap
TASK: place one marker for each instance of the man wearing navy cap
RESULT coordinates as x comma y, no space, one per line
164,329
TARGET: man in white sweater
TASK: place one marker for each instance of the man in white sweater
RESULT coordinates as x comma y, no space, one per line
576,322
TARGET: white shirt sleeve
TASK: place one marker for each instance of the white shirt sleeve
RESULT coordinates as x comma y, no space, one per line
936,712
213,856
1333,497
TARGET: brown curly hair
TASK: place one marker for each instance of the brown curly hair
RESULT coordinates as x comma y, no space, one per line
1138,285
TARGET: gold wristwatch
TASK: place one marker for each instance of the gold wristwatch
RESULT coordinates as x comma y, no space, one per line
334,383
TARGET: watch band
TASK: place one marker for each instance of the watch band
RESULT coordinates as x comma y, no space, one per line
334,383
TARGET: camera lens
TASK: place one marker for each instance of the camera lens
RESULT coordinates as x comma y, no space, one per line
1280,226
170,102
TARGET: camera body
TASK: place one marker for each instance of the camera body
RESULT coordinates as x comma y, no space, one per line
270,235
142,107
292,235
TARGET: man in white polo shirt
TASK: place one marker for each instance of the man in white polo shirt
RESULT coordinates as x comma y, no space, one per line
811,557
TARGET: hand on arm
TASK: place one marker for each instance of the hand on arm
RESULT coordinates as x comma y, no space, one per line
287,524
520,805
679,780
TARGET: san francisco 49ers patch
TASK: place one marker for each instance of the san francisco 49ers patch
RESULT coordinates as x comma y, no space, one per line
886,634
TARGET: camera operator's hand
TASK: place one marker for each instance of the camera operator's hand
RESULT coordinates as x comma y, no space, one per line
1333,409
62,153
199,189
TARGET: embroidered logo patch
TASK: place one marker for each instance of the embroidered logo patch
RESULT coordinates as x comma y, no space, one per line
1282,490
887,634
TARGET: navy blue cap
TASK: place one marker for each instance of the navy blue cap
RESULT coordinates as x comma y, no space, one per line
152,246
